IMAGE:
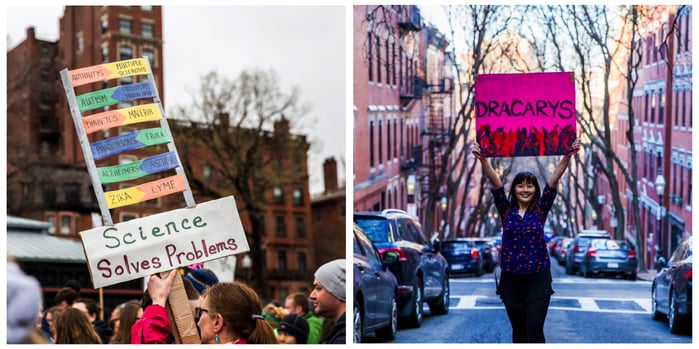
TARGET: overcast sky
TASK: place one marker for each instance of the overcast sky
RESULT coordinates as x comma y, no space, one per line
306,46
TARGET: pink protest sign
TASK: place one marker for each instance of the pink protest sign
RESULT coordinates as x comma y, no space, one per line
525,114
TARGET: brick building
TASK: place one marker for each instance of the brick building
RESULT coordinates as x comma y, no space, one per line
47,177
402,111
329,211
662,130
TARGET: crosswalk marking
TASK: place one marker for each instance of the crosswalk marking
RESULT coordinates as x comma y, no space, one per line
589,304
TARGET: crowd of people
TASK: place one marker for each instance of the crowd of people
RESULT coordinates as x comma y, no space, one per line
224,312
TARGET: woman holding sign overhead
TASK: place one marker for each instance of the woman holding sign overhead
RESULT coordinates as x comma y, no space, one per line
525,283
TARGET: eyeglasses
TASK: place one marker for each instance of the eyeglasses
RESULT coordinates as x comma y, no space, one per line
197,313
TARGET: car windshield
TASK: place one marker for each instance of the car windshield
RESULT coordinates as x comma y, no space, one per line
378,230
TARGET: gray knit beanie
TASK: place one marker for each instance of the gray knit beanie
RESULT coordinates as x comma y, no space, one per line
332,276
23,303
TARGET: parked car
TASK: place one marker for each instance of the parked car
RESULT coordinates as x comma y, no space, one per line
609,257
671,293
463,256
551,244
489,252
421,271
578,248
560,249
375,290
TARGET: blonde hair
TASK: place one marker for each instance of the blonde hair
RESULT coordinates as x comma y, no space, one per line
241,309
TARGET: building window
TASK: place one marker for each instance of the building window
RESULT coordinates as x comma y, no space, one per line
388,140
278,195
72,193
49,193
147,30
44,52
105,24
371,144
150,54
44,75
689,188
125,25
147,8
66,222
370,57
125,52
125,217
105,53
51,219
298,197
206,173
301,262
661,112
281,260
281,226
300,227
79,42
126,80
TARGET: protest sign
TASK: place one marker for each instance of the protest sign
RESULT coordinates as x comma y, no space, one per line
527,114
164,241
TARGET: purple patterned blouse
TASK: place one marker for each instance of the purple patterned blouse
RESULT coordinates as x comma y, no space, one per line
523,248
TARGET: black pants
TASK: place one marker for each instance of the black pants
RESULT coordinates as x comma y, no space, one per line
526,298
528,322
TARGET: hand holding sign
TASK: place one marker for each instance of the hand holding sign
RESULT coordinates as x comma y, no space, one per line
159,289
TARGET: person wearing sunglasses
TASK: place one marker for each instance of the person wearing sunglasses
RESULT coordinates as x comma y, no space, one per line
525,282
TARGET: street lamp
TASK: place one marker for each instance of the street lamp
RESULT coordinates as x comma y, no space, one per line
660,189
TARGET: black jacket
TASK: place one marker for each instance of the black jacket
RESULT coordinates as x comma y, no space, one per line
103,330
337,333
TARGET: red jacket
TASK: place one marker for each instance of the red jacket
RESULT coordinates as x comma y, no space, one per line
152,328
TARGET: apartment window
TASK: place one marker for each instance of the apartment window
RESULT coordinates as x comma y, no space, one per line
281,260
126,80
298,197
281,226
105,53
51,219
388,62
378,59
652,107
395,138
150,54
147,29
689,188
300,227
49,193
677,108
105,24
301,262
72,193
371,144
370,56
661,112
79,42
380,148
147,8
66,224
125,217
684,108
206,173
278,195
44,52
388,140
125,52
44,75
125,26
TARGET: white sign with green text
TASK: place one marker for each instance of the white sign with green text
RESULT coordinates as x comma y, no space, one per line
164,241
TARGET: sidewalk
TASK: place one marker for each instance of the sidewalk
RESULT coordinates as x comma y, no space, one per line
648,275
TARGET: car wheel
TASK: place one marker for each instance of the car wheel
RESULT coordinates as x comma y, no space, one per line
673,317
654,305
357,322
633,277
415,318
389,332
479,270
569,269
441,305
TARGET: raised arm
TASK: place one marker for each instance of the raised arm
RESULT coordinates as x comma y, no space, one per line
563,165
488,170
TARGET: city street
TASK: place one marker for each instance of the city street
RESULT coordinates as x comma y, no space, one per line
596,310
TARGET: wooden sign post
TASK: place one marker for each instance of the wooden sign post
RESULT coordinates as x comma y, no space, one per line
161,242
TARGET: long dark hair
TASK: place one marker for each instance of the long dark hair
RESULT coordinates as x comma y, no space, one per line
525,177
